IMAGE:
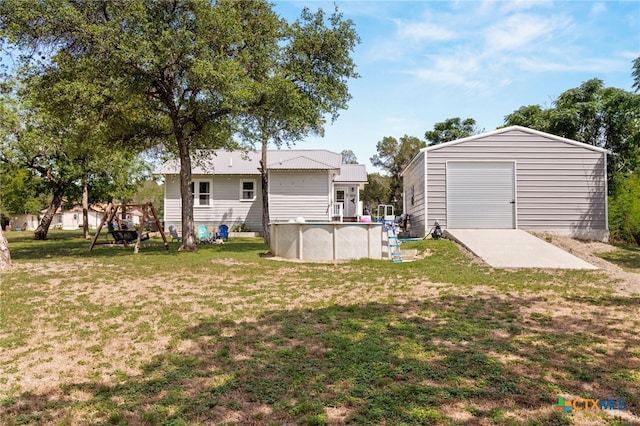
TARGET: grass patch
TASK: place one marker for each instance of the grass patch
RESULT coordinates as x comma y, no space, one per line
627,257
224,336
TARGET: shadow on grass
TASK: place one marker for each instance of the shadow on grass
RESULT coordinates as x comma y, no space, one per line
71,244
453,360
627,257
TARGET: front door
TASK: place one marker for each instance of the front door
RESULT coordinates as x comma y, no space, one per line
340,197
347,196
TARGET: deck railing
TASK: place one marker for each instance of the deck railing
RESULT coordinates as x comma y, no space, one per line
337,211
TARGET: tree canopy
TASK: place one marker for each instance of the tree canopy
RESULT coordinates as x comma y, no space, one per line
591,113
393,156
450,130
190,73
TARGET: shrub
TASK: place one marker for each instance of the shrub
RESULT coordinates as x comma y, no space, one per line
240,228
624,210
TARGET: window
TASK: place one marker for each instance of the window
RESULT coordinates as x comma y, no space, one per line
247,190
201,190
412,195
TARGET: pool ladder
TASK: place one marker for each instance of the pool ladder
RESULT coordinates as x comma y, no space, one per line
394,244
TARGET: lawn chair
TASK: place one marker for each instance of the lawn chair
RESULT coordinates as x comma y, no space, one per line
223,233
174,234
204,236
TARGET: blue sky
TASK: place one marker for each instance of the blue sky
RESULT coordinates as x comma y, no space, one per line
422,62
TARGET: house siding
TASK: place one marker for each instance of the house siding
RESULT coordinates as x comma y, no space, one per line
304,193
31,221
226,207
560,186
291,194
414,176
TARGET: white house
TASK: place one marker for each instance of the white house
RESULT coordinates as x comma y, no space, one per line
71,218
513,177
309,184
24,222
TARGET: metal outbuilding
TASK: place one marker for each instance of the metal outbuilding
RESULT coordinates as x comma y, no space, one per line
510,178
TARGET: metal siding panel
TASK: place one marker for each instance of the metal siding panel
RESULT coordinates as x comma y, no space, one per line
543,164
480,194
414,176
299,194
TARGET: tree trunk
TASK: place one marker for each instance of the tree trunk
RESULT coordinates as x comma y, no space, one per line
265,191
43,229
188,234
5,255
85,208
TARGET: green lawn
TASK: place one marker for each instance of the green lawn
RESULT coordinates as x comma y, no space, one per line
225,336
627,257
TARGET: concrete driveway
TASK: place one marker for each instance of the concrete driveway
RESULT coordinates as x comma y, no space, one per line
514,248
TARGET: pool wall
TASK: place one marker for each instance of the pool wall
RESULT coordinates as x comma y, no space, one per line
328,241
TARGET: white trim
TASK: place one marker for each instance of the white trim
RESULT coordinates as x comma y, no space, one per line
242,190
426,196
606,193
515,194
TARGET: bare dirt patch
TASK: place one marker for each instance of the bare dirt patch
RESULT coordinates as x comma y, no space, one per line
628,283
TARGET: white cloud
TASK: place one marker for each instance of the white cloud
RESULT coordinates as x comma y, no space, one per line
512,5
461,69
423,31
598,9
546,64
521,30
492,45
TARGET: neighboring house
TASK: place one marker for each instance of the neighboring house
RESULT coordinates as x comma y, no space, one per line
134,215
24,222
95,213
70,219
309,184
513,177
65,219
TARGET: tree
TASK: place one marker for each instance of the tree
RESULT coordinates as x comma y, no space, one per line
593,114
376,191
450,130
624,210
299,84
32,140
636,74
188,71
348,157
532,116
20,190
394,156
5,254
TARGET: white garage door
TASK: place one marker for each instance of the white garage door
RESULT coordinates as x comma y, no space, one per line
480,195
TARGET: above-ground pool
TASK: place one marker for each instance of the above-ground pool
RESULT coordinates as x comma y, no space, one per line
327,241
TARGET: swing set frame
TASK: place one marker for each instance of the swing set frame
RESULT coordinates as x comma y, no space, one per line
124,236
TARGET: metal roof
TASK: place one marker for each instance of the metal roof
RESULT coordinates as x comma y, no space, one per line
300,163
512,128
500,131
352,173
221,162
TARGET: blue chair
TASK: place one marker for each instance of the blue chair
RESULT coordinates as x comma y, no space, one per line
174,234
204,236
223,232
